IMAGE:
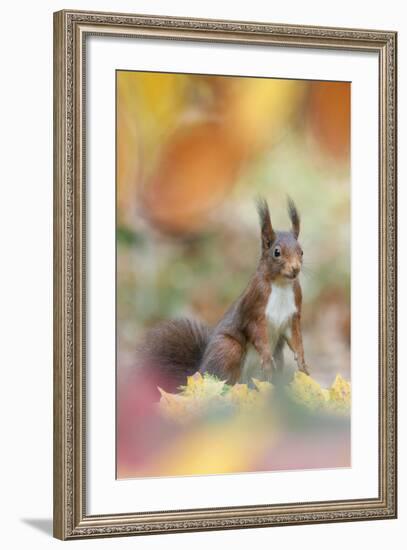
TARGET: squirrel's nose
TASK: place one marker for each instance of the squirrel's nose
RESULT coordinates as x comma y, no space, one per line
295,271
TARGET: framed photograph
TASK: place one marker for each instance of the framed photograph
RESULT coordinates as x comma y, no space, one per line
225,274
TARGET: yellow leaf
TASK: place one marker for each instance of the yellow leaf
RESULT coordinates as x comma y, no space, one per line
263,386
340,394
307,391
240,396
206,394
202,387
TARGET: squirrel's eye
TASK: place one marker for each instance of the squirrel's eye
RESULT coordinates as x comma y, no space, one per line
277,252
302,253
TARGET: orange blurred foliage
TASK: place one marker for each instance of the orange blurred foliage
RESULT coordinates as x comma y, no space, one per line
329,116
183,139
197,167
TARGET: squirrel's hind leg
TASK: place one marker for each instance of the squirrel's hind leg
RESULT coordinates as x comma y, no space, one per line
223,358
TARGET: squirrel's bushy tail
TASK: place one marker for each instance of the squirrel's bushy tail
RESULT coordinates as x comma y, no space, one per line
173,350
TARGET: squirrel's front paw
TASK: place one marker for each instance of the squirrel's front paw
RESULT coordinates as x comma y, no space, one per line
304,368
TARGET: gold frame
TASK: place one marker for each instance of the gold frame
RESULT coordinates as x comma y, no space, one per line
70,518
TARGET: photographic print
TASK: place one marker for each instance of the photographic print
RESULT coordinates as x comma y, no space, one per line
225,213
233,274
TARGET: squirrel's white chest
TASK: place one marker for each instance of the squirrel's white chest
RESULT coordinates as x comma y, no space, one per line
281,305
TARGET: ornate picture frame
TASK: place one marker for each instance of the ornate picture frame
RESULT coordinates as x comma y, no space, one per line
71,517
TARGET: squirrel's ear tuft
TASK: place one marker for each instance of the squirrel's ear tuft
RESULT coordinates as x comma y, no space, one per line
267,233
294,217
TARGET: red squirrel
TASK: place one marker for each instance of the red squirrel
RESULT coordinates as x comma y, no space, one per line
267,315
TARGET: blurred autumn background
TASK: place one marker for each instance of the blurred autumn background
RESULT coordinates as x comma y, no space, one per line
193,152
